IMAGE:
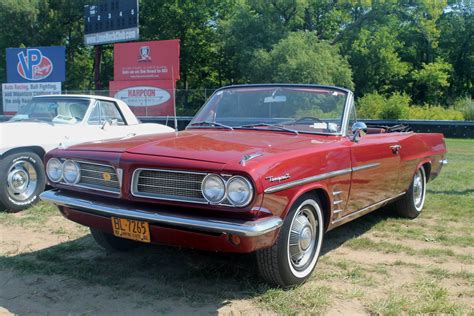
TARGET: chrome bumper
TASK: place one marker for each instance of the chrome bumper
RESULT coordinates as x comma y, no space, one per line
240,228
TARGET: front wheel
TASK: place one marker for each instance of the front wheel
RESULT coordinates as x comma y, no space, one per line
22,179
411,204
291,260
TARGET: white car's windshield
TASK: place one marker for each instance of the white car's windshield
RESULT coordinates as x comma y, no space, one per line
54,110
305,109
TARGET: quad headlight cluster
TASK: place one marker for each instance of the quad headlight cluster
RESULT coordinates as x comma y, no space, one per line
237,190
68,171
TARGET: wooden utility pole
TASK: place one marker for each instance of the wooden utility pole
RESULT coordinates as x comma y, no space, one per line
97,60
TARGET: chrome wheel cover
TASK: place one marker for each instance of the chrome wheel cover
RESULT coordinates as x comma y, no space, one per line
304,239
21,180
419,189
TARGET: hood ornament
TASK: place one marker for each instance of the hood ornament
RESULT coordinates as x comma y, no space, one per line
248,157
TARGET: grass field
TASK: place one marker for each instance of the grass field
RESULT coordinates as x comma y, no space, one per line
376,264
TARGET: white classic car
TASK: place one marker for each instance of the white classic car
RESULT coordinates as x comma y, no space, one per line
51,121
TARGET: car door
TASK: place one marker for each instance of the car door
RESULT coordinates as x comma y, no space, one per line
375,170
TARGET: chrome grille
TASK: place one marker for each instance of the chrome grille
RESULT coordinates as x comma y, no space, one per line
92,176
168,185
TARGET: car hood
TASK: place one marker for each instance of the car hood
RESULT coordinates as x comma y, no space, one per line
220,146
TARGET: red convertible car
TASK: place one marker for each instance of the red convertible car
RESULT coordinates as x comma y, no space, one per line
261,168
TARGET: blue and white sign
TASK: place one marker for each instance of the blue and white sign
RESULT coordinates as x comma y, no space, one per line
36,64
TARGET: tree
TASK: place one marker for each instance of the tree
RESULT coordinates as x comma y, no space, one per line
431,80
301,58
375,60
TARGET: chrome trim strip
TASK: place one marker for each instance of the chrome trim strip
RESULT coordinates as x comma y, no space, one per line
368,166
366,210
241,228
336,192
320,177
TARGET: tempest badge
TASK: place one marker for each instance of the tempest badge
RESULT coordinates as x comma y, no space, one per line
278,179
106,176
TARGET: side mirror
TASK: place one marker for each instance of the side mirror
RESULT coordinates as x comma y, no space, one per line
357,129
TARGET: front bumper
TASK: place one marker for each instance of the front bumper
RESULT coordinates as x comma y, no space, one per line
206,224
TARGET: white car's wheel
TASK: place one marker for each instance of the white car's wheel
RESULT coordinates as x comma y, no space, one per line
292,259
22,179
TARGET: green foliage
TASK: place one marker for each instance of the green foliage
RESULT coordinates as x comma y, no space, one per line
434,113
431,80
398,106
466,106
374,58
376,106
423,49
301,58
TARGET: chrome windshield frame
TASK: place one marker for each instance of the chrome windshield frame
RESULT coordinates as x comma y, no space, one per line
349,102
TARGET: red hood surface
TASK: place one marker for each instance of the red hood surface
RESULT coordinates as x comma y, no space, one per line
220,146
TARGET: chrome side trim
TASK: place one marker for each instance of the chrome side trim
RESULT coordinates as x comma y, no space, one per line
319,177
216,225
368,166
366,210
307,180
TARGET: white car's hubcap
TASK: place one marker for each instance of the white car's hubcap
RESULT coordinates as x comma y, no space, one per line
21,180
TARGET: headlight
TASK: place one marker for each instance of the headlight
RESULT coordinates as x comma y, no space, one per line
239,191
213,188
54,169
71,172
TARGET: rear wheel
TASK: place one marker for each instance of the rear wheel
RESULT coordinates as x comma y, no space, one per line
411,204
112,243
291,260
22,179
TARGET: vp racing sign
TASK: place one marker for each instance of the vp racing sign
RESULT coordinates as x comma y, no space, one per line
36,64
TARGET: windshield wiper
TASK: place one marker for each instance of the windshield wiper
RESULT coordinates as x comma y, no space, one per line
213,124
270,125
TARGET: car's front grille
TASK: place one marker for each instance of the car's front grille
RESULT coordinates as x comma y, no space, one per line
98,177
168,185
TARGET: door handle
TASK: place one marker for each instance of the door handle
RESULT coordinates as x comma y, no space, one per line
395,149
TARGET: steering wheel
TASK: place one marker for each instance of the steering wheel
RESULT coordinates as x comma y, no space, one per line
307,118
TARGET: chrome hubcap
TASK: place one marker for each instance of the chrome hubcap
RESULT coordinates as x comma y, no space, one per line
418,189
302,238
21,180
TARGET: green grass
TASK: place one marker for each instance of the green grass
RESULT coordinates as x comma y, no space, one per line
445,227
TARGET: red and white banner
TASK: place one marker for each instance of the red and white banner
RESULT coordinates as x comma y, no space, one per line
147,97
155,60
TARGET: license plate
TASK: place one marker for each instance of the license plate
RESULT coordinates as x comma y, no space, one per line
131,229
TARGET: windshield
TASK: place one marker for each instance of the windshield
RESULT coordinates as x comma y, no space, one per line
298,109
62,111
